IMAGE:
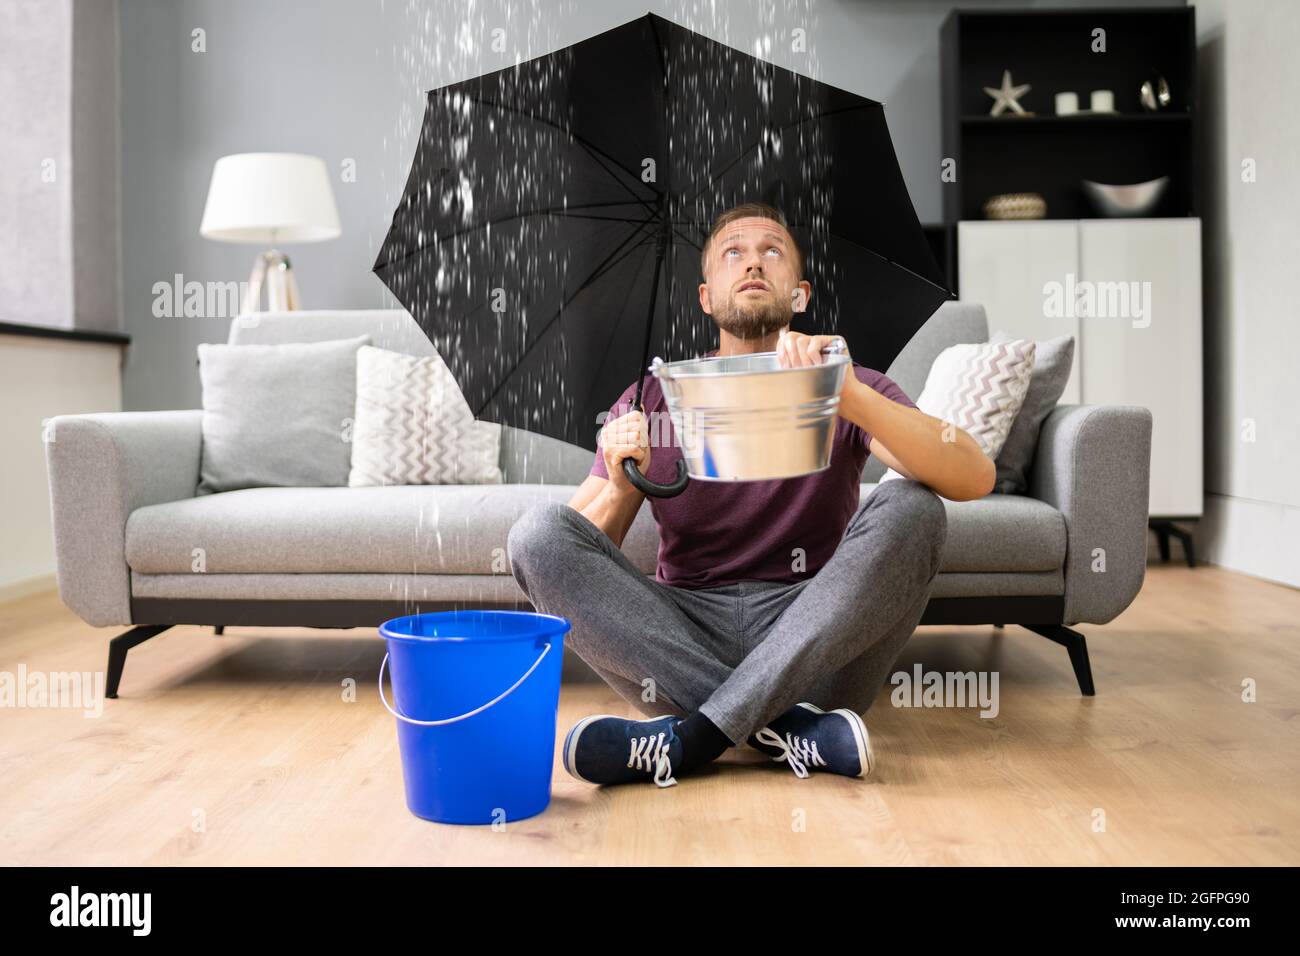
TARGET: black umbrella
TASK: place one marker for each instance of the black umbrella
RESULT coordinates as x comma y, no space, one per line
548,238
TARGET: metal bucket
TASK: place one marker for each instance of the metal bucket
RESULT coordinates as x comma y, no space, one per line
745,418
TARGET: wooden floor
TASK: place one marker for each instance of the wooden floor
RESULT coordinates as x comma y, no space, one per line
240,750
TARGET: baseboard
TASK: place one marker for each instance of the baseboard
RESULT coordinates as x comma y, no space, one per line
1258,538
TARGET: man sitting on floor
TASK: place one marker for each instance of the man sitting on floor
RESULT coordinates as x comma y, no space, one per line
771,597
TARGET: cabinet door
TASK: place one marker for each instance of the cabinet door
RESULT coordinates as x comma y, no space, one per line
1010,268
1149,272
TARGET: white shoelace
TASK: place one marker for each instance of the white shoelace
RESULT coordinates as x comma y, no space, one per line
798,752
649,753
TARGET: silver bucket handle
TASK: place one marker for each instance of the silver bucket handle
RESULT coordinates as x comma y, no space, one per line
454,720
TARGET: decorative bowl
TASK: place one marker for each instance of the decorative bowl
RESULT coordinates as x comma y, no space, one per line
1120,201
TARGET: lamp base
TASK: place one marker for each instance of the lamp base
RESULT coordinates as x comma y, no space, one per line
271,269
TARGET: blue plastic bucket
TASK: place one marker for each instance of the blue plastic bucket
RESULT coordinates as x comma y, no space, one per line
476,695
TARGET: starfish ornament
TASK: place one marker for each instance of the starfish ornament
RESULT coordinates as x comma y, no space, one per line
1006,96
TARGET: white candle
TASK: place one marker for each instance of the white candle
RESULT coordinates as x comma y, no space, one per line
1103,101
1067,103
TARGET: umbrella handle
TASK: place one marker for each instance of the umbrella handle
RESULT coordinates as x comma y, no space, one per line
653,489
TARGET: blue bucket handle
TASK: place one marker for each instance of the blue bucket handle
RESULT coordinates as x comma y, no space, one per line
477,710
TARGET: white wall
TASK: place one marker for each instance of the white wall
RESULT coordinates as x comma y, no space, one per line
1250,81
41,378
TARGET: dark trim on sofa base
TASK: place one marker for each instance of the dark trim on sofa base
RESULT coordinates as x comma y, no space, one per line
323,614
1041,614
1024,610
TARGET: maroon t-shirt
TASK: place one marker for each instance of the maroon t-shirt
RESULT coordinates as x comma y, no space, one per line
782,529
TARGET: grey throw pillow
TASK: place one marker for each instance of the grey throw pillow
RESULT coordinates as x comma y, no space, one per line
1052,360
277,415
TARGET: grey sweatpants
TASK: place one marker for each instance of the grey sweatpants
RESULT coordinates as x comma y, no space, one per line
744,653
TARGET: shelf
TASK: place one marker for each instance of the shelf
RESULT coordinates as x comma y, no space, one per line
1053,51
1090,217
70,335
1088,119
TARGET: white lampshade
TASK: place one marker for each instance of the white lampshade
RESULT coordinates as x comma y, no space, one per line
270,198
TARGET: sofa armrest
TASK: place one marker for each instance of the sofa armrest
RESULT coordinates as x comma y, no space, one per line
102,467
1093,464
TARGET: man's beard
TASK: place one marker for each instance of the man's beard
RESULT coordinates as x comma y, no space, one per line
745,321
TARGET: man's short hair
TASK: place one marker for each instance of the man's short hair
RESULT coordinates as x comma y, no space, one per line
748,210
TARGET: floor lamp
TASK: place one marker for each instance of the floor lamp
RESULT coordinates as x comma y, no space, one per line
270,198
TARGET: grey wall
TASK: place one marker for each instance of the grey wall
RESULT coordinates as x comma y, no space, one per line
344,79
96,272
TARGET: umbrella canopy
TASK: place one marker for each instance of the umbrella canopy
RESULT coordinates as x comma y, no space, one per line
548,239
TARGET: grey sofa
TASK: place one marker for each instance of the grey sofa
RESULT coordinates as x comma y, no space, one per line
127,519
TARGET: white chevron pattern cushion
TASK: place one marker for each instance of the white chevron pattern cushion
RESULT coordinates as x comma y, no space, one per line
413,426
980,388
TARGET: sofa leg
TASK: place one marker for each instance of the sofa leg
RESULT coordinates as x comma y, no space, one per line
1073,642
117,649
219,629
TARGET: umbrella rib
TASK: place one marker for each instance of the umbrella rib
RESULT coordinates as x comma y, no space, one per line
549,211
896,265
598,205
609,343
687,239
601,218
595,151
886,259
621,252
598,155
754,145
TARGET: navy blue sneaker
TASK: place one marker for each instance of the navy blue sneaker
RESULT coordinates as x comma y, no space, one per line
605,749
808,738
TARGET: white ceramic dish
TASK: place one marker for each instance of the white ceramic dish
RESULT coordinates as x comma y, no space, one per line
1138,199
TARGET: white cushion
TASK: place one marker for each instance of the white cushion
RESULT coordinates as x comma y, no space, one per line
980,388
413,426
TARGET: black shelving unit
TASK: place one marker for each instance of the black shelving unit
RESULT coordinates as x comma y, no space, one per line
1050,154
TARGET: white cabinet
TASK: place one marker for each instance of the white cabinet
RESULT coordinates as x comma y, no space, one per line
1129,290
1006,269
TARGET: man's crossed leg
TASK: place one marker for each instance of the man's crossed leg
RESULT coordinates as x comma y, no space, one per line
756,661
